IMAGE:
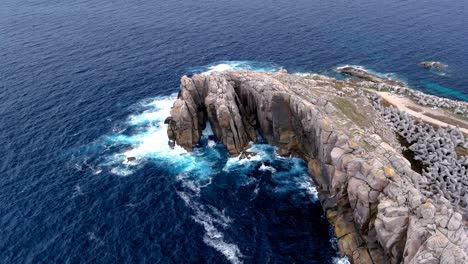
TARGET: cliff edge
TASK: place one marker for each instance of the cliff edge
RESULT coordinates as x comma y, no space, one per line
382,208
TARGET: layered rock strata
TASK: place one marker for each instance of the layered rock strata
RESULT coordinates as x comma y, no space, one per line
369,193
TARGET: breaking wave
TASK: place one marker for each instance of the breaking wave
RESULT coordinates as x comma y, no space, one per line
143,137
238,66
142,140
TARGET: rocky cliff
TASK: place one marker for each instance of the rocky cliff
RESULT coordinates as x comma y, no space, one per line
368,190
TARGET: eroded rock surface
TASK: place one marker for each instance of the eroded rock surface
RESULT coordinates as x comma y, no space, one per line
367,188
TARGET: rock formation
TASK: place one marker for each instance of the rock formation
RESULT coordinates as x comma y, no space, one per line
360,73
432,65
380,209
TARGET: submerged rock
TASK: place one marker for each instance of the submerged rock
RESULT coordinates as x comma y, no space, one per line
432,65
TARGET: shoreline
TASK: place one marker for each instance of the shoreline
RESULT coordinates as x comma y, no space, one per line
382,211
436,110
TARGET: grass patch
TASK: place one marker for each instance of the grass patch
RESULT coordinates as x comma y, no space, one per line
349,110
366,145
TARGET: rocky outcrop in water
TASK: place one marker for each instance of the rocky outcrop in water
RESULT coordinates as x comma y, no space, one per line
362,74
432,65
375,201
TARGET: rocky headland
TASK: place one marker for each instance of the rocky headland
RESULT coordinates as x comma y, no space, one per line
390,168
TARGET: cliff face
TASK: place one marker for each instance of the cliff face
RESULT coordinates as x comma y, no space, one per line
367,189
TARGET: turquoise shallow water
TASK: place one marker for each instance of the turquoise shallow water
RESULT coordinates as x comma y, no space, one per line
86,84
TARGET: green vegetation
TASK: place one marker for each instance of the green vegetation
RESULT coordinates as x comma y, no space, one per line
365,145
349,110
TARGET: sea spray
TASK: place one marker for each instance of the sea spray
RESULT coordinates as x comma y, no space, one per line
142,140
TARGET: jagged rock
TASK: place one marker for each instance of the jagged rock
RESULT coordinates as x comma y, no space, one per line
382,211
391,225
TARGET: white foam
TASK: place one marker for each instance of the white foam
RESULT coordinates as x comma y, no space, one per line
185,197
78,167
77,191
230,251
267,168
309,187
208,131
303,74
211,143
219,68
237,161
191,184
209,217
96,171
343,260
354,66
150,141
214,238
241,65
261,154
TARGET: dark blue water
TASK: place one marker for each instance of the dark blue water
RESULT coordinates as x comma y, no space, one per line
87,84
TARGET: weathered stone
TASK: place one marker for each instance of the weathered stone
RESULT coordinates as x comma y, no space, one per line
376,198
336,155
455,221
427,211
339,179
377,180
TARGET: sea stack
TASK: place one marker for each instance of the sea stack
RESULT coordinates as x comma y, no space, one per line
348,132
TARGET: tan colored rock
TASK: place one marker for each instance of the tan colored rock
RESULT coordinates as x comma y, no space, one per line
427,211
336,154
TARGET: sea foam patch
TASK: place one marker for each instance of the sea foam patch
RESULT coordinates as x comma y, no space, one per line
144,138
212,219
239,65
342,260
257,153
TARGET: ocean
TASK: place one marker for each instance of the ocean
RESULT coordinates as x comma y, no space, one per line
86,84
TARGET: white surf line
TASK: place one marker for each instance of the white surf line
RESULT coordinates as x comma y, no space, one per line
209,217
